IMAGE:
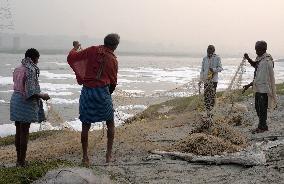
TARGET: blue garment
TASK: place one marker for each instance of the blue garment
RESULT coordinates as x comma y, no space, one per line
95,105
26,110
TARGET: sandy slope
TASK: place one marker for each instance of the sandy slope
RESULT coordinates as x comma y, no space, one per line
133,142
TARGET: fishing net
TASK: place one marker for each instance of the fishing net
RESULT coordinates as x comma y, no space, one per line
54,120
205,144
214,133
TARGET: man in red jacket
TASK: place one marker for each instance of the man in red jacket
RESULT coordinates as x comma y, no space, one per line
96,69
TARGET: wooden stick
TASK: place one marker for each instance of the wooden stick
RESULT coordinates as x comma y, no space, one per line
245,158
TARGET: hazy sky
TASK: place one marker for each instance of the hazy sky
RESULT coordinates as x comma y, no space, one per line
229,24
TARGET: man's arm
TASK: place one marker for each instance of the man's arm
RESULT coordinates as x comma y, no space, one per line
112,70
246,87
251,62
202,71
272,79
78,55
219,66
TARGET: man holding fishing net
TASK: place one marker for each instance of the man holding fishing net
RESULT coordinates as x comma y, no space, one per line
96,69
263,84
211,66
26,101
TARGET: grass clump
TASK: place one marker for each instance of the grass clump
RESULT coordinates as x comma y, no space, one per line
213,140
194,102
31,173
280,89
205,144
4,141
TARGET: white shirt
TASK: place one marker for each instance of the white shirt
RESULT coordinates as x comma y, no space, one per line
264,81
213,62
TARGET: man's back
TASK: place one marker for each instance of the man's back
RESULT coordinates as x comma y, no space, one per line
95,66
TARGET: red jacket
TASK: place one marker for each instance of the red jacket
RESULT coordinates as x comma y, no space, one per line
95,66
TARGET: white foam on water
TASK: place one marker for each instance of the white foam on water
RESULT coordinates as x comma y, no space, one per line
6,80
127,81
174,75
64,101
10,129
59,87
58,63
185,74
50,75
119,118
131,107
77,125
178,94
134,91
62,93
140,69
2,101
8,91
128,75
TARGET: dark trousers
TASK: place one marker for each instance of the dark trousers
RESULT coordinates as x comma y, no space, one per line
261,105
209,94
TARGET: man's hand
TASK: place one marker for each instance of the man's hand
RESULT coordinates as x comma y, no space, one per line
245,87
199,87
77,45
111,88
45,96
246,56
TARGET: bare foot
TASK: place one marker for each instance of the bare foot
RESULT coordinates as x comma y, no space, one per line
108,158
259,130
86,162
22,164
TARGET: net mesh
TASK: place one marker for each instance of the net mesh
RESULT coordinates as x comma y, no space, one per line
214,133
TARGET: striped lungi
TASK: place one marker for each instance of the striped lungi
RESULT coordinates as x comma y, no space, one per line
26,110
95,105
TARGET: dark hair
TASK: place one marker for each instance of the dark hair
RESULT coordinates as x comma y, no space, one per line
112,40
211,47
261,44
75,43
32,53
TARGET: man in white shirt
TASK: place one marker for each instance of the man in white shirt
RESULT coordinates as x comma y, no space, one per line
263,84
211,66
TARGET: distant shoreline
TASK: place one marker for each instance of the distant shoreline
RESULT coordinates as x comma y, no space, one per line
121,53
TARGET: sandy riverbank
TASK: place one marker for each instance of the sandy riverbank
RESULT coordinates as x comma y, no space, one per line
159,127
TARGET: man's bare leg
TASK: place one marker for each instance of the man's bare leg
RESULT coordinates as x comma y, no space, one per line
110,137
24,137
84,141
17,142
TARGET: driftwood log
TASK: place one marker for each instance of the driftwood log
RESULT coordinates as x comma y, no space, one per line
253,155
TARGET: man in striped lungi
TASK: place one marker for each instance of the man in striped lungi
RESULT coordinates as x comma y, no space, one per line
96,69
